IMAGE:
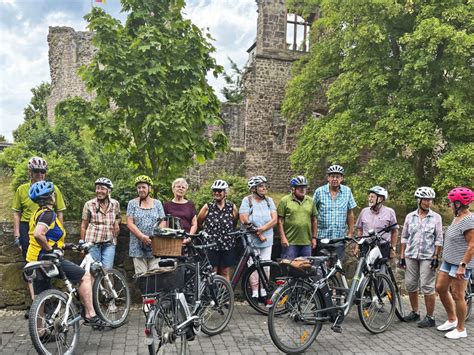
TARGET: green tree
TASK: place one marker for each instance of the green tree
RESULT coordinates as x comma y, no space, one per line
35,114
398,78
2,138
234,89
152,95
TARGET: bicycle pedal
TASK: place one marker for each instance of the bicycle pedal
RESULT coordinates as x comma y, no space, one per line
336,328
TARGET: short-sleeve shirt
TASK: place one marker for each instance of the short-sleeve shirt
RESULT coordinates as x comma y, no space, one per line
23,204
376,221
101,223
332,214
259,215
455,244
218,223
54,235
185,211
297,218
144,219
421,236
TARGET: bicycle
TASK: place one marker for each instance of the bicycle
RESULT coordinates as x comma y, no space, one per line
468,294
175,313
110,292
304,301
267,270
55,315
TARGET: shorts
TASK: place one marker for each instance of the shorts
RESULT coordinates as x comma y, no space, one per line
24,238
73,272
419,274
451,270
222,258
293,251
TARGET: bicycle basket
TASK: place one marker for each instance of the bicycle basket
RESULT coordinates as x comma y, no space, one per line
166,241
161,280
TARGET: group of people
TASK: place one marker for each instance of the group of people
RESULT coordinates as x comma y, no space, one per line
302,222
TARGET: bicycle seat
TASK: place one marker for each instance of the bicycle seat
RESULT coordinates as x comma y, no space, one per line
48,268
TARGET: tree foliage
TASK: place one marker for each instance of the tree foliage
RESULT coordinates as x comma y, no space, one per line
153,99
398,77
233,91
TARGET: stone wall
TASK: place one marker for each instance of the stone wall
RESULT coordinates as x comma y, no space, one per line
68,50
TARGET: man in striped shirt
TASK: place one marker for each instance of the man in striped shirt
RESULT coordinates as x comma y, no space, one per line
335,205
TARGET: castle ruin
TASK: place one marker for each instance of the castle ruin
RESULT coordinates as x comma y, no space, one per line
260,140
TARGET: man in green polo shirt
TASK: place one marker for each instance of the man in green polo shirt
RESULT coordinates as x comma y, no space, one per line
297,221
23,207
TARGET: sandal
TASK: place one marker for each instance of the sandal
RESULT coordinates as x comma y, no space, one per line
95,322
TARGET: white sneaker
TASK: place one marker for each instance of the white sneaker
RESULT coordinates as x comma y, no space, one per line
456,334
447,326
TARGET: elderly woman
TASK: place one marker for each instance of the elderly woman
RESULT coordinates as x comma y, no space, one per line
180,207
458,262
260,210
142,214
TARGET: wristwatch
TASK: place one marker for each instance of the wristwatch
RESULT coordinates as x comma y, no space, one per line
462,264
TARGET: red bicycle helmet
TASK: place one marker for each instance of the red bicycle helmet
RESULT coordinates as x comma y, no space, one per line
461,194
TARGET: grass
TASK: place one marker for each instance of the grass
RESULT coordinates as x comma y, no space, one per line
6,196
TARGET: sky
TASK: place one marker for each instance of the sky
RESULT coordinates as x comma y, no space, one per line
24,48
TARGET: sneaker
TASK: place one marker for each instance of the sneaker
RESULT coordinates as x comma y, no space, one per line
412,317
455,334
448,326
427,322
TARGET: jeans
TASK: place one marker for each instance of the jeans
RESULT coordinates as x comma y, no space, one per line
293,251
105,253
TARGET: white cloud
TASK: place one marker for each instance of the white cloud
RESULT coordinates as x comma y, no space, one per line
24,49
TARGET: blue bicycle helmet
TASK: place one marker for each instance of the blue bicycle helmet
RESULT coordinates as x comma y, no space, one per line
300,180
40,190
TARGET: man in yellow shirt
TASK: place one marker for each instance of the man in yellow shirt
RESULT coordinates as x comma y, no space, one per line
23,207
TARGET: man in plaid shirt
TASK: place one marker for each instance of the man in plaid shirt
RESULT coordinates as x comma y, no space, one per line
101,223
335,205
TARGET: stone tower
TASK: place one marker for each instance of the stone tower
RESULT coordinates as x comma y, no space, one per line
268,140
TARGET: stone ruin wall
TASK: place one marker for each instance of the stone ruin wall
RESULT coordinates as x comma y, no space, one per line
68,50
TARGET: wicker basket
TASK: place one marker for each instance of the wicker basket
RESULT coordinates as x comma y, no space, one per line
162,246
153,283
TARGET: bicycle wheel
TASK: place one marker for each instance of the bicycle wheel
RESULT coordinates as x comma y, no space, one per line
468,298
113,310
218,306
165,337
48,334
399,312
291,319
265,288
377,305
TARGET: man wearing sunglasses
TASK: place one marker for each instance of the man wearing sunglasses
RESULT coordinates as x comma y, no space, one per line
218,218
23,207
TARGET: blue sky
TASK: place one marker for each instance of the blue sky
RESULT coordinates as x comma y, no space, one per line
24,48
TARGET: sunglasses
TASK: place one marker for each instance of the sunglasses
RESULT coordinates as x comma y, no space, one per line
217,191
38,171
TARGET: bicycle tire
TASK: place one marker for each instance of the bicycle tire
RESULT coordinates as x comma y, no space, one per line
292,303
222,295
163,325
370,306
256,303
468,298
113,311
399,312
58,340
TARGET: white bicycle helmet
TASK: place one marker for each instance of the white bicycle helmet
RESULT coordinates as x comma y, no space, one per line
254,181
379,191
425,192
335,169
104,182
219,185
37,163
300,180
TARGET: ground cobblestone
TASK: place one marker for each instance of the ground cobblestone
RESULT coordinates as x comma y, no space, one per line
248,334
